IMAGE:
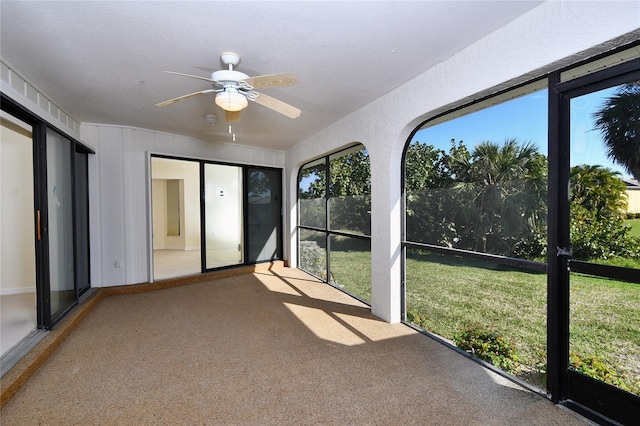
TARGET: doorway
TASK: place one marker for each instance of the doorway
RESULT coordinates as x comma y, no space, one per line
208,216
17,253
176,217
594,277
44,219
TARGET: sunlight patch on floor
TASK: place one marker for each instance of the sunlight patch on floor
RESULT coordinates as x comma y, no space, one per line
324,325
375,329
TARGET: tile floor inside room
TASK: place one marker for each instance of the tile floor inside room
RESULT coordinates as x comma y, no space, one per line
17,319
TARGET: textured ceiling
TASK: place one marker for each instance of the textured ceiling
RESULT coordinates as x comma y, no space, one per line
102,61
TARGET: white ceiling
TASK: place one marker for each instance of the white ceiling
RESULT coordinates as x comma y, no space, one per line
102,61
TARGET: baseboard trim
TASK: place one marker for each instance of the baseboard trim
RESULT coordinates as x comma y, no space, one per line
17,290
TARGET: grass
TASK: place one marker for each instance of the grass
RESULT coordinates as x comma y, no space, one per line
635,227
605,323
451,293
351,269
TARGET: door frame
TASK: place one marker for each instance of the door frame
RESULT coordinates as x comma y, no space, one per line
40,208
581,393
245,169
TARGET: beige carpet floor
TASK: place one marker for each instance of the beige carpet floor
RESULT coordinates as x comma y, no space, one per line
273,347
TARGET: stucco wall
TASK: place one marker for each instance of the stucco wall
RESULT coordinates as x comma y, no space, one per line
551,35
633,200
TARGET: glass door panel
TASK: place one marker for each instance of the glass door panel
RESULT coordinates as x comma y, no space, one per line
223,216
18,313
264,219
60,224
604,311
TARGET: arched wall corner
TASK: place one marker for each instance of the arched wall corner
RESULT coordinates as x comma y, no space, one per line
523,49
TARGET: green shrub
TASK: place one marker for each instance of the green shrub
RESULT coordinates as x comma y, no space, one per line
595,236
594,366
487,345
417,319
313,258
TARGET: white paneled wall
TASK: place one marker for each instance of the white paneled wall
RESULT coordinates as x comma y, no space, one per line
120,199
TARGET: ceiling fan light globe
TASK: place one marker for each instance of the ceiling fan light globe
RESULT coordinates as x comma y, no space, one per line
231,101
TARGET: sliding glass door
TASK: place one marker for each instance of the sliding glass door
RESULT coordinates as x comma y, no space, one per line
223,216
60,224
236,211
264,214
51,201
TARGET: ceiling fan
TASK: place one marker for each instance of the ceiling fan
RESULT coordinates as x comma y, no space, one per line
234,89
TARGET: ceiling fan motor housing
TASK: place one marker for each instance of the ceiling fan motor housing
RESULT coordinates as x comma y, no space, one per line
230,76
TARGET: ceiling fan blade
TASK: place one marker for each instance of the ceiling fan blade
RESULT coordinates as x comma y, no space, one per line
192,76
278,106
183,97
231,116
271,80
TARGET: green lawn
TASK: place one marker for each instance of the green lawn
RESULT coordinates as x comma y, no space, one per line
635,226
450,293
351,271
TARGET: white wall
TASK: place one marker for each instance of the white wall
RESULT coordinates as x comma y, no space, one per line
159,212
17,247
119,180
553,34
189,173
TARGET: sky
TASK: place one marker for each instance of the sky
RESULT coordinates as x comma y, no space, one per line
525,119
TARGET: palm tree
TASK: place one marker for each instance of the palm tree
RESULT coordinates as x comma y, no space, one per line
598,189
501,191
619,121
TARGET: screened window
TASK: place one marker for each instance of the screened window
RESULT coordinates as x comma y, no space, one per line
334,198
476,218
